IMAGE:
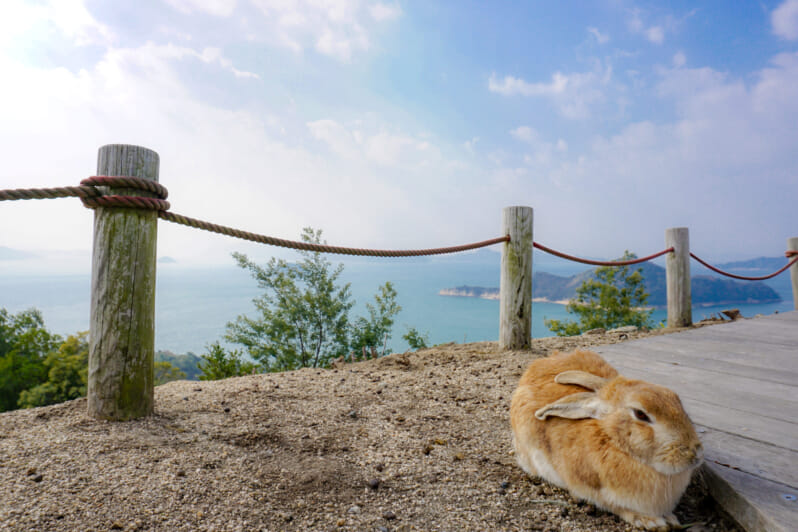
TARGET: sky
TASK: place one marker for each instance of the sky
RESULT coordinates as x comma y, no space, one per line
409,124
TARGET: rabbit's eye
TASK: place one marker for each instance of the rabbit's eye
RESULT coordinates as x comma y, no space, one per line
642,416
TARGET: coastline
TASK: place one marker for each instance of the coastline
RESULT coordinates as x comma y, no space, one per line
492,294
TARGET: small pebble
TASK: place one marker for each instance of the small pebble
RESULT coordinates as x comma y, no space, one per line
227,409
37,478
379,467
354,510
31,471
341,522
505,485
353,414
389,516
181,473
374,483
117,526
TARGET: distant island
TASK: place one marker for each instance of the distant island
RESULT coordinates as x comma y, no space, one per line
706,291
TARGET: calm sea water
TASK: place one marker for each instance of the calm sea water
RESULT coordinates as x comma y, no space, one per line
193,305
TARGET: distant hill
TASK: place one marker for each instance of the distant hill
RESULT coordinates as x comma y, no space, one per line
186,362
705,290
14,254
767,264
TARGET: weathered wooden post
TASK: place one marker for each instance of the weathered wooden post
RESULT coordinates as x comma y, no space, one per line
792,245
677,271
122,335
515,292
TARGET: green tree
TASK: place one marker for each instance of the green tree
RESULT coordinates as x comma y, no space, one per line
218,363
24,344
167,372
304,314
613,297
67,374
415,339
371,333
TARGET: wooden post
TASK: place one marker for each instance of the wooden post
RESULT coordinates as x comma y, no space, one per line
792,245
515,310
122,335
677,270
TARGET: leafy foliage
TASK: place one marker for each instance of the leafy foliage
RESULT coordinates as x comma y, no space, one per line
218,363
613,297
24,345
67,374
167,372
186,362
304,314
369,333
415,339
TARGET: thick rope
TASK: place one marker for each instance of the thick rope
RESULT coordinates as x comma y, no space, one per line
323,248
601,262
744,278
92,198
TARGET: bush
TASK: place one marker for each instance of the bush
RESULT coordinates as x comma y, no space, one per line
613,297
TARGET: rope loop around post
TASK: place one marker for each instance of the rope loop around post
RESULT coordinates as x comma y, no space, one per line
131,202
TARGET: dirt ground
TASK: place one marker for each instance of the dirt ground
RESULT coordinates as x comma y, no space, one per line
412,441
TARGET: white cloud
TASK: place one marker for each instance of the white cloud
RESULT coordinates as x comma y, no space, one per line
601,38
471,144
717,168
654,33
511,85
573,94
342,43
337,28
526,134
368,144
70,18
380,11
785,20
218,8
679,59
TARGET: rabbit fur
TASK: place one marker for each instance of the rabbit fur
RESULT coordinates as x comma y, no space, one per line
624,445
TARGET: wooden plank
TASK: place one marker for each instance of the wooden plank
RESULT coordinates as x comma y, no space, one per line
763,460
731,350
775,400
755,503
682,357
739,383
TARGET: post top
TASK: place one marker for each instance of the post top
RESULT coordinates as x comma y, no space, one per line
127,160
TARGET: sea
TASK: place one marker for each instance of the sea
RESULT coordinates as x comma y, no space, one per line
194,304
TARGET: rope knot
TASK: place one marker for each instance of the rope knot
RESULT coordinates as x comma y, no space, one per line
98,199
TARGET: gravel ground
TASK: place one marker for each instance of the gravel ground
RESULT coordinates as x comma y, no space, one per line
412,441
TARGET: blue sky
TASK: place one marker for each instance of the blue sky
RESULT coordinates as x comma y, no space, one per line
411,124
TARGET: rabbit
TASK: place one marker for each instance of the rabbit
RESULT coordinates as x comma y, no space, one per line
624,445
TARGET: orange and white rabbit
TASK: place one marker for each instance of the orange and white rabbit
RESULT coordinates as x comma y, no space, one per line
624,445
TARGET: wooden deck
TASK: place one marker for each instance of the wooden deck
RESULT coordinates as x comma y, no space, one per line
739,383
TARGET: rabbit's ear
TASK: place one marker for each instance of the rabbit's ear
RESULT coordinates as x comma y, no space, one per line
574,406
582,378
